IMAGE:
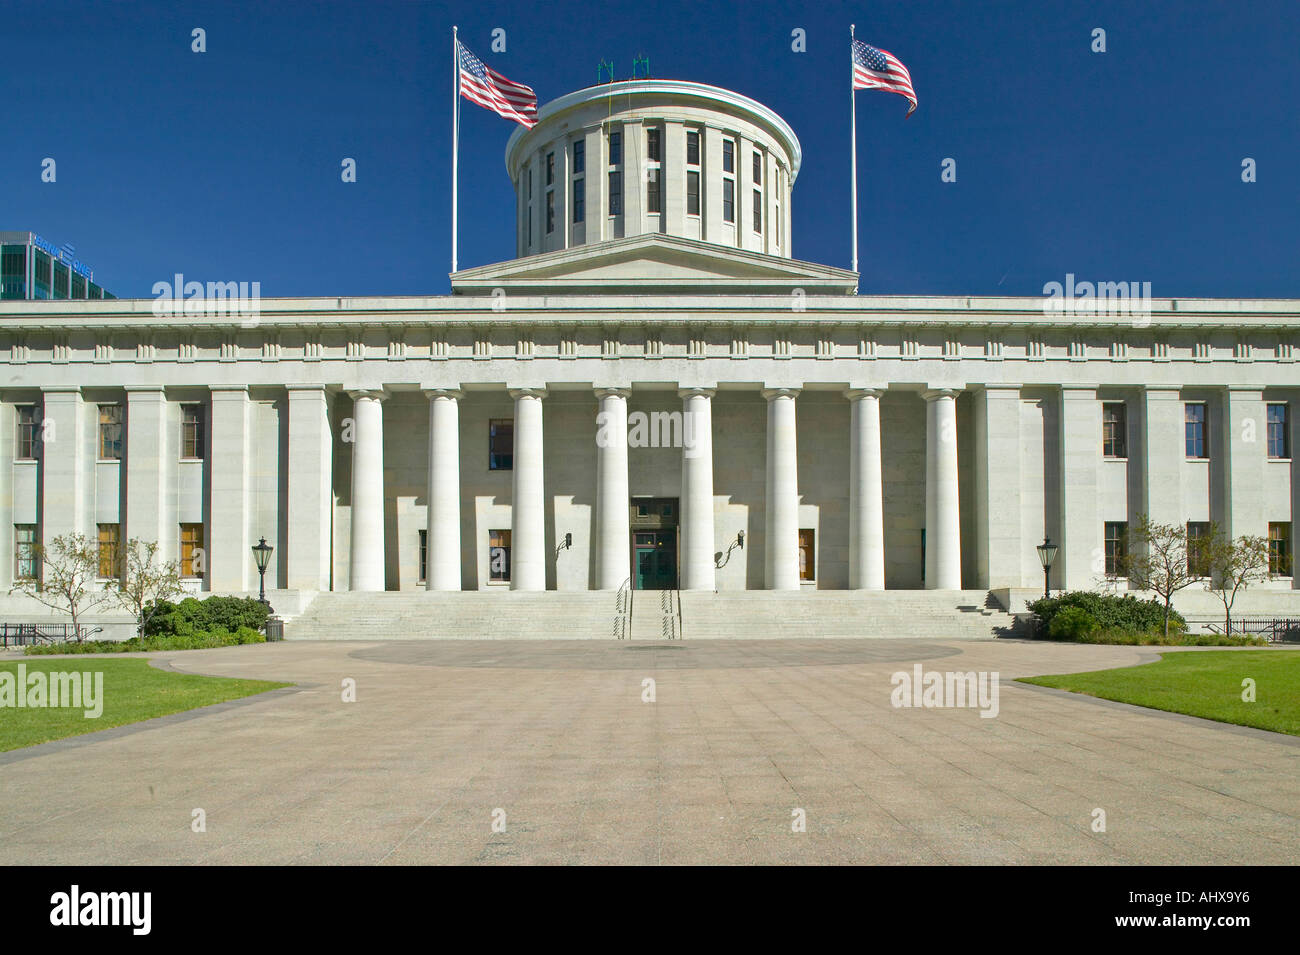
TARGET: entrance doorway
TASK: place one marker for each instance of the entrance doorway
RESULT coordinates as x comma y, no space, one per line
654,543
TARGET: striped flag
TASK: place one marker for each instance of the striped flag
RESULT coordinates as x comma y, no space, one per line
880,70
483,85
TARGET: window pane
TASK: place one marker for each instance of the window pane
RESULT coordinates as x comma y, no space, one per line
579,157
110,432
1279,442
758,168
616,193
192,437
1116,533
550,169
424,554
25,551
652,144
109,542
1198,539
499,555
1114,424
652,191
693,149
693,193
758,211
615,149
728,201
550,212
192,559
1195,430
501,444
27,434
807,555
728,156
580,200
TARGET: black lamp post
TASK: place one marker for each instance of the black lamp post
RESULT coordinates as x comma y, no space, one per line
1047,554
262,557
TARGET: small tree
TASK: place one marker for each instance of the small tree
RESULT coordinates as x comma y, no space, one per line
1236,564
1155,559
145,581
65,579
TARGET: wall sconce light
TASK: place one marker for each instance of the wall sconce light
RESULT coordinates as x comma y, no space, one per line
740,539
565,544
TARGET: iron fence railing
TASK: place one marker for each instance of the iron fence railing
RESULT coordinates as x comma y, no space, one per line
1274,629
30,634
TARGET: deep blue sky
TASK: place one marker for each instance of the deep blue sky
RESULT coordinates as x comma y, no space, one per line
225,165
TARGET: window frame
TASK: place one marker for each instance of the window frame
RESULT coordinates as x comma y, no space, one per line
729,200
494,455
1198,559
114,557
1114,548
495,536
808,568
615,192
757,210
30,557
616,147
1114,443
692,192
1284,431
26,432
105,428
1200,441
1281,552
187,549
692,145
654,202
193,433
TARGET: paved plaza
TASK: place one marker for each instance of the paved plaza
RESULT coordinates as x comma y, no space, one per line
554,742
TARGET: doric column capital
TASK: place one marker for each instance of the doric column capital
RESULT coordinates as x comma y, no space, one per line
518,393
934,394
696,392
376,394
613,393
772,394
854,394
455,394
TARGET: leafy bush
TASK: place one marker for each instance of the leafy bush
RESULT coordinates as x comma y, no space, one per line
198,640
1110,611
193,616
1072,623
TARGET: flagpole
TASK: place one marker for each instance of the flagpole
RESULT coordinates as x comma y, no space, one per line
853,133
455,140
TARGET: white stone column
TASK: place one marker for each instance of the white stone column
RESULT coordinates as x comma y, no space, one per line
528,498
367,555
310,503
697,490
8,441
942,519
63,463
613,533
866,493
782,510
1080,558
999,547
442,528
230,561
147,470
1245,436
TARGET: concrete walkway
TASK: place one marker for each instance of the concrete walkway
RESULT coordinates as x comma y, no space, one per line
740,735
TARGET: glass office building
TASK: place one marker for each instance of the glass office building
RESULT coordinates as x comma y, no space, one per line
33,268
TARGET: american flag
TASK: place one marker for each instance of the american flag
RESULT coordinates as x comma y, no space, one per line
483,85
880,70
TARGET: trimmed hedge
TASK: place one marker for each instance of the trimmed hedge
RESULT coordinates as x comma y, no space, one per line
215,614
1109,612
190,641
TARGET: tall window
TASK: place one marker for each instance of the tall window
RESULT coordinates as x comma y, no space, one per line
1114,429
110,550
758,168
652,194
1279,549
192,559
192,436
528,202
728,200
550,169
25,551
28,432
616,148
550,211
728,155
807,554
692,148
1279,437
653,145
579,157
424,554
1198,552
616,193
579,201
693,193
758,211
501,444
110,432
499,556
1194,429
1116,543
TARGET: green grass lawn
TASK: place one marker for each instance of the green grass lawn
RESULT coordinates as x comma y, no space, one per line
132,691
1207,684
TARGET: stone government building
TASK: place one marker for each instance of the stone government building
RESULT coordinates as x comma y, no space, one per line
837,442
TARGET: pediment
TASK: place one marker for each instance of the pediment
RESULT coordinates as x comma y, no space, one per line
653,264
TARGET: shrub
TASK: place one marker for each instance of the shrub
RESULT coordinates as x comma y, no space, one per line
194,640
191,616
1072,623
1110,611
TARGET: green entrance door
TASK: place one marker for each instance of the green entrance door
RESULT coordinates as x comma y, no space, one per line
654,555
